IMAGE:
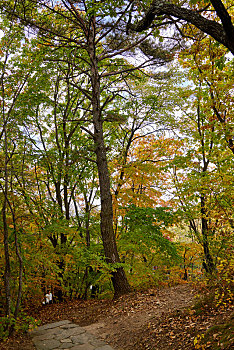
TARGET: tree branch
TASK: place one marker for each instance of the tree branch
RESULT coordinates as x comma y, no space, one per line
223,33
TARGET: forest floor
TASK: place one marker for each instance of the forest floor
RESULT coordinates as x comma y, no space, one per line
156,319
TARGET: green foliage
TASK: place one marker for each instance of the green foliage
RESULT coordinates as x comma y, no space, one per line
145,244
53,189
217,291
103,9
223,283
218,337
146,225
84,267
21,324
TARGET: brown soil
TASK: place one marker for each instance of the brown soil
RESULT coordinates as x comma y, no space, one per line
152,320
131,316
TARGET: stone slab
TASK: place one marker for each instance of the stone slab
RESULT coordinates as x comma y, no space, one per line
105,347
83,338
83,347
69,325
67,340
50,325
48,344
46,334
66,346
67,333
64,335
97,343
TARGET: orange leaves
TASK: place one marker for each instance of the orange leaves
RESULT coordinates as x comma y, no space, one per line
143,179
140,171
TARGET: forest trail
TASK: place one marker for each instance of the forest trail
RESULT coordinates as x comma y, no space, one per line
122,323
125,324
129,318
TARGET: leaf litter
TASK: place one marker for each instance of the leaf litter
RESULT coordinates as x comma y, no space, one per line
156,319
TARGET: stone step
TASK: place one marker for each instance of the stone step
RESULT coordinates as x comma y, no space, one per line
67,336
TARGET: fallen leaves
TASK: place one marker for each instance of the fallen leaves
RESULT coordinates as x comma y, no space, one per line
140,320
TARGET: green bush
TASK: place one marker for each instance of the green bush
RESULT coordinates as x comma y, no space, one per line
21,324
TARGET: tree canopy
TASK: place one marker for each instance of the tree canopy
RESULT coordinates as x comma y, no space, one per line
116,146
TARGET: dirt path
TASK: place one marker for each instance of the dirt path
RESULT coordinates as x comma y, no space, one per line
125,324
129,316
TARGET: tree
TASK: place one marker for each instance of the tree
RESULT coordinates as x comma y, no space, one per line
65,163
137,158
197,173
94,33
160,12
15,72
211,66
145,242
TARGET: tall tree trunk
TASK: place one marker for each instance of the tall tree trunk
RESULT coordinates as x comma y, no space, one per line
208,264
119,280
208,261
20,286
7,272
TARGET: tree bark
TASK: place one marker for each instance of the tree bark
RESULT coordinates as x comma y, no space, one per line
20,286
209,264
87,26
223,33
7,272
119,280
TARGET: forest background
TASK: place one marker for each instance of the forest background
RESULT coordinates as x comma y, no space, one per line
116,148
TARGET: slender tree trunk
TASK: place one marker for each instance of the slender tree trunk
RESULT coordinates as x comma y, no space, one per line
88,269
208,264
185,277
119,280
18,302
17,250
7,272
